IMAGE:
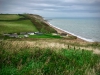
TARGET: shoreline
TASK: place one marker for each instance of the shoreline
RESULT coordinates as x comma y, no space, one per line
59,30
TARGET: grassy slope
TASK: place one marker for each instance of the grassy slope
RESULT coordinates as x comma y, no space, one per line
15,25
39,23
9,17
45,61
10,23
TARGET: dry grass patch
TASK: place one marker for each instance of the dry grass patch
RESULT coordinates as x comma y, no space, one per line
47,43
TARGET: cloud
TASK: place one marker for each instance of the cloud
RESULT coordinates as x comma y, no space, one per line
50,6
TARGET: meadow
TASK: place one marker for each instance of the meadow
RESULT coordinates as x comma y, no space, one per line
10,16
17,26
15,23
40,24
26,58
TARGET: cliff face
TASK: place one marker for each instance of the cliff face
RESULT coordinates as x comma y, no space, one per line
40,23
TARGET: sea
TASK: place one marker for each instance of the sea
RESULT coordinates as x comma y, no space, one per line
85,28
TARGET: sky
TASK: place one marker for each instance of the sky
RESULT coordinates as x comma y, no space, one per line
52,8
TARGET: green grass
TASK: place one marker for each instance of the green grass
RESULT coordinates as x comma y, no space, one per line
40,24
16,26
9,17
45,36
42,36
10,23
45,61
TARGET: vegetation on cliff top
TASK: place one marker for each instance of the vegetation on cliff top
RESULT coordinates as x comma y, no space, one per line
39,23
10,23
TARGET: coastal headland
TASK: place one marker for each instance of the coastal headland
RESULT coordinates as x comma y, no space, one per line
26,23
29,45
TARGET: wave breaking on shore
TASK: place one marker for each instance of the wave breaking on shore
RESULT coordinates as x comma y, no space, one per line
85,39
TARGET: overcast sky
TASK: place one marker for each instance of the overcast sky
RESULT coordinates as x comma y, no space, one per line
53,8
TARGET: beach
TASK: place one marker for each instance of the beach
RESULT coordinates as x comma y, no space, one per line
59,31
83,28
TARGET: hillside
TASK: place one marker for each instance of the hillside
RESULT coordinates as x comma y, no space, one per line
39,23
47,57
14,23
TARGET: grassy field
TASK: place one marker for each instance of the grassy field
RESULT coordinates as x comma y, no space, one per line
16,26
11,24
45,36
40,24
9,16
19,59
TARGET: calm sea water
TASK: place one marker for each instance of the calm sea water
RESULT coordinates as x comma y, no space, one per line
85,28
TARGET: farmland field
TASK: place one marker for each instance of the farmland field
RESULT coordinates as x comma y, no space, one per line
16,26
9,17
10,24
